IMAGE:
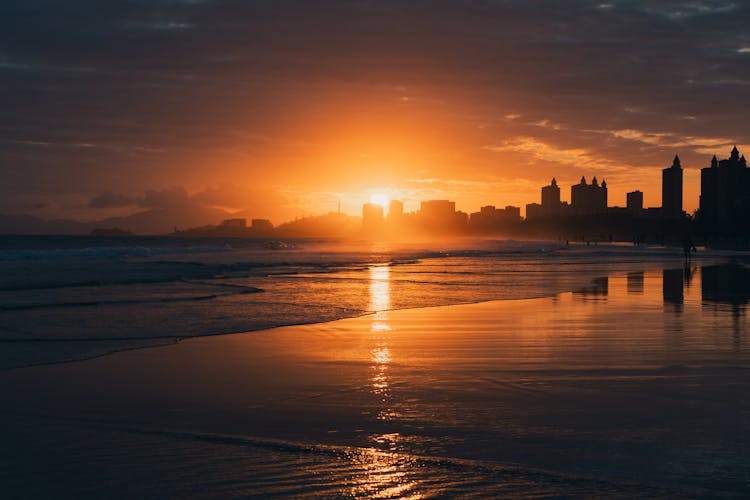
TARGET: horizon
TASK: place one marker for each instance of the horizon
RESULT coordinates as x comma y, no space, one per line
485,101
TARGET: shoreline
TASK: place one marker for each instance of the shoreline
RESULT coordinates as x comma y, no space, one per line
168,340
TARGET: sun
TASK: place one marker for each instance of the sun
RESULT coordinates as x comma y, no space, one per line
379,199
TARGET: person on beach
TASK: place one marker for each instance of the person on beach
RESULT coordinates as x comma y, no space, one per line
688,247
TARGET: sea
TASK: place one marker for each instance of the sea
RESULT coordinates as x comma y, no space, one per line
66,298
155,367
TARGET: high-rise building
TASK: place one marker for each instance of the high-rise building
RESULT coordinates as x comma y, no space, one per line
634,201
372,216
438,210
395,210
551,199
725,191
671,190
588,199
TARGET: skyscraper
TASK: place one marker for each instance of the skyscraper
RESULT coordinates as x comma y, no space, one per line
372,216
395,210
671,190
551,198
725,191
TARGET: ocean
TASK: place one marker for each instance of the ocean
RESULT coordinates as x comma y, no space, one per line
481,369
69,298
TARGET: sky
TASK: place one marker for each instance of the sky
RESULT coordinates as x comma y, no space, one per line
287,108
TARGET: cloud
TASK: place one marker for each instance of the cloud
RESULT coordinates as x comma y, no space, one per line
681,10
704,145
578,157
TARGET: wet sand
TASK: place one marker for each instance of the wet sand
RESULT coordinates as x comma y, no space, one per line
636,385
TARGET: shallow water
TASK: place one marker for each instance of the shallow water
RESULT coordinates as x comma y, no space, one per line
635,385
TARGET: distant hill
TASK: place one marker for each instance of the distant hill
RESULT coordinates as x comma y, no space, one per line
332,225
154,221
28,224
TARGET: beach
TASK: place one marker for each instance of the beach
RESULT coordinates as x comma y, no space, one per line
633,385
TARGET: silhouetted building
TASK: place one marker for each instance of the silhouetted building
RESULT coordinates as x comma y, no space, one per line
589,199
634,201
372,216
725,191
551,199
491,217
671,190
261,225
512,213
395,209
236,223
460,219
441,211
533,210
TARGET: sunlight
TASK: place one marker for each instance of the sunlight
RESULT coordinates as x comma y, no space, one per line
380,199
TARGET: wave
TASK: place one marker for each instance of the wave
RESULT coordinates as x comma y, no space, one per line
105,252
315,469
126,302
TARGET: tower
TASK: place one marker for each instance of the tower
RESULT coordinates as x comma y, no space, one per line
551,198
671,190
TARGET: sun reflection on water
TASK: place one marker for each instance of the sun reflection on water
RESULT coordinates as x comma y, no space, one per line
383,472
380,354
384,475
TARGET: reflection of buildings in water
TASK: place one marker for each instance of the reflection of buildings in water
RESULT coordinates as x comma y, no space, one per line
599,287
727,285
672,286
635,282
